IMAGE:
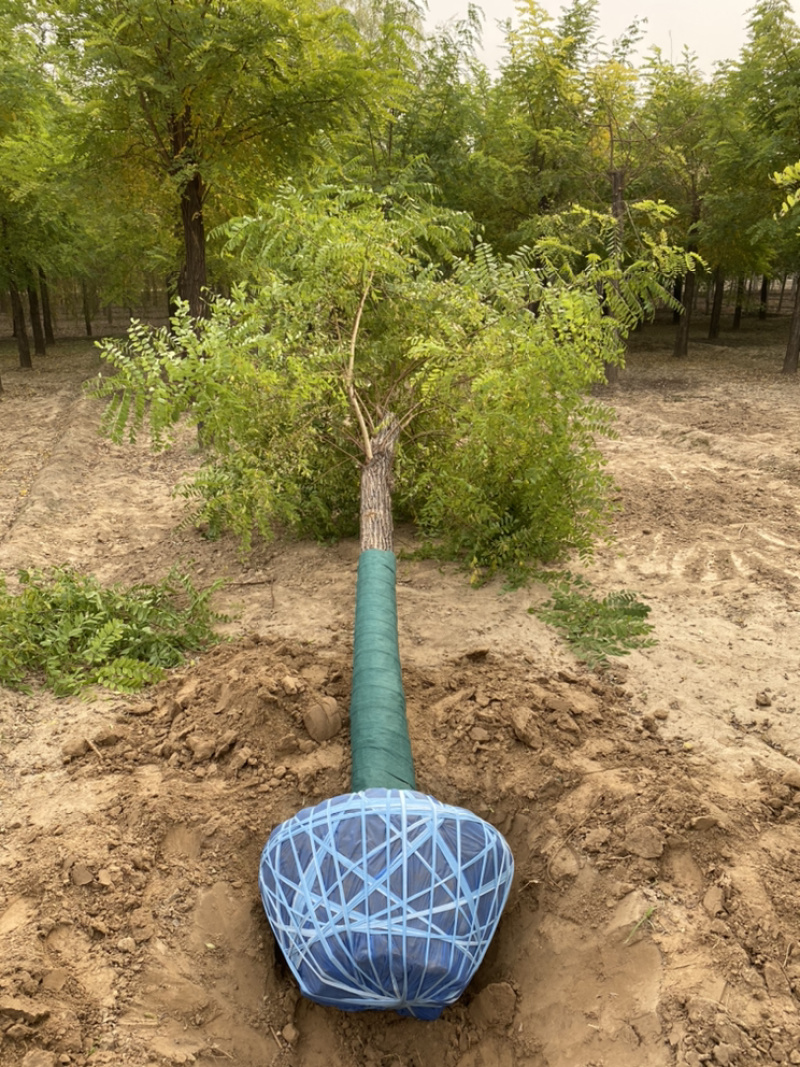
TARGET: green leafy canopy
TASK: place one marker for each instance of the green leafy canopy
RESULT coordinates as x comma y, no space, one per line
355,306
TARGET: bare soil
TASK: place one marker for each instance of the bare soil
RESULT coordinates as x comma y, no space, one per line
653,808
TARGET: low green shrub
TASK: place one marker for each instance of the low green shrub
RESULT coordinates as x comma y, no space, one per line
596,629
74,633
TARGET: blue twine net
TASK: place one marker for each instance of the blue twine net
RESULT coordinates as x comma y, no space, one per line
385,899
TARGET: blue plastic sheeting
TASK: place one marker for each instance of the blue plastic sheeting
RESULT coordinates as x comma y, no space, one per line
385,899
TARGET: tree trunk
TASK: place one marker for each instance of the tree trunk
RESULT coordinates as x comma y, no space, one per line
790,361
611,370
783,290
763,304
682,333
36,321
194,244
677,292
18,312
47,315
716,307
376,489
737,311
87,311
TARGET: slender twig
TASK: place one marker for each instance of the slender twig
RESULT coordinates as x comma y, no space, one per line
647,915
350,371
412,367
94,749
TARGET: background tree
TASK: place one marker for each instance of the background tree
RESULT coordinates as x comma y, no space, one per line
25,112
675,115
767,79
210,100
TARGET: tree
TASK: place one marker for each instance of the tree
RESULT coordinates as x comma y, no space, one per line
768,74
22,100
41,206
211,101
789,179
674,112
361,341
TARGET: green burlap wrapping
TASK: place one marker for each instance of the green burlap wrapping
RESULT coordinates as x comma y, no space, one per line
378,728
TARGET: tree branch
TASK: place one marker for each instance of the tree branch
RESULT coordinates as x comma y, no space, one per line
349,373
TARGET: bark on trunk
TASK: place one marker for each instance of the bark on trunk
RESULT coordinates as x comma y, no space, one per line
677,292
47,315
737,311
682,333
36,321
20,330
780,298
376,489
194,242
87,311
790,361
763,304
611,370
716,307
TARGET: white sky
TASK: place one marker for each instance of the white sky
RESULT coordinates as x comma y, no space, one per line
713,29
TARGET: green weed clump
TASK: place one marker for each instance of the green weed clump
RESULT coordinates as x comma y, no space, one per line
72,632
597,629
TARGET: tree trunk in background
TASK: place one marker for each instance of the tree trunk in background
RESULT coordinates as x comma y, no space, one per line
783,290
677,292
611,370
737,311
763,303
682,333
716,307
87,311
194,243
376,489
793,348
18,313
36,322
47,315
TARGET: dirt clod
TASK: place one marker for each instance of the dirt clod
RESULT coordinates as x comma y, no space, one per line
494,1005
81,875
645,841
322,719
526,727
714,900
39,1058
290,1033
74,749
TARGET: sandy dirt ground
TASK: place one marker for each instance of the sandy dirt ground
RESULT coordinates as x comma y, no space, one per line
653,809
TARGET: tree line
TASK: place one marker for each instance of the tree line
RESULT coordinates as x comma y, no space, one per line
131,130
